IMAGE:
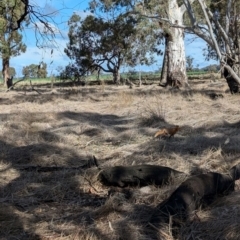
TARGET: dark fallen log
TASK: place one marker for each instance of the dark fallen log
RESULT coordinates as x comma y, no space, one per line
196,191
87,164
139,175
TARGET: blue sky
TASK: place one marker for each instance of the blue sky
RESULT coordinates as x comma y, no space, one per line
64,10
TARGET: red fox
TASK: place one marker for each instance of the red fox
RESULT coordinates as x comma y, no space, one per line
167,132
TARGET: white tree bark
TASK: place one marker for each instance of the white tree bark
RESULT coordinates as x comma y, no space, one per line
176,50
229,57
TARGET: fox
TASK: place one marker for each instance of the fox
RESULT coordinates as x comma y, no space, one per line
167,132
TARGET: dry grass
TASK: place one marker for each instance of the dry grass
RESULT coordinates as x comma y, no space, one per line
66,126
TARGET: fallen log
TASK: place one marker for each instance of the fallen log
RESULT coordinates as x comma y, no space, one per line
196,191
139,175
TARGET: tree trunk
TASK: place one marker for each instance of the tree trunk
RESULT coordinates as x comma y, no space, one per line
174,64
5,73
163,78
116,76
176,69
176,74
140,78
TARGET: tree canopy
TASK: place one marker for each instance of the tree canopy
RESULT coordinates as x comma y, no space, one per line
97,43
118,33
11,40
35,71
218,23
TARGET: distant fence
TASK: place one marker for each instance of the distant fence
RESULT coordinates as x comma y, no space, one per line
147,76
132,77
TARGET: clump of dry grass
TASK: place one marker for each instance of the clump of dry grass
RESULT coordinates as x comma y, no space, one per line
153,112
123,99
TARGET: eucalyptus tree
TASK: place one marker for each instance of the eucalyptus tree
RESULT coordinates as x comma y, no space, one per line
12,71
218,24
10,40
107,42
35,71
43,22
168,15
15,15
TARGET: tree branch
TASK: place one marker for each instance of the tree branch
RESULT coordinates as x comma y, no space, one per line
229,7
216,47
223,33
186,5
24,78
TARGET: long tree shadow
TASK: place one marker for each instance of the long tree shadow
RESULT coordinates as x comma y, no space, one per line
194,141
95,118
44,95
30,197
62,198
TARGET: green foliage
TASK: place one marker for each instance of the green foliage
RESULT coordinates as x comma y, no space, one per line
35,71
10,40
230,24
12,71
70,73
98,43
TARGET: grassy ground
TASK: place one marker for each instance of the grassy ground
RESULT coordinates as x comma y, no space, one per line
109,77
64,127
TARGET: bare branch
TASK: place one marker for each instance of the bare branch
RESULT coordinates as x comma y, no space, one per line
186,5
206,11
222,32
24,78
229,7
216,47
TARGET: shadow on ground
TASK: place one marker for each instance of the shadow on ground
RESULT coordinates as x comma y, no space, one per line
66,204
